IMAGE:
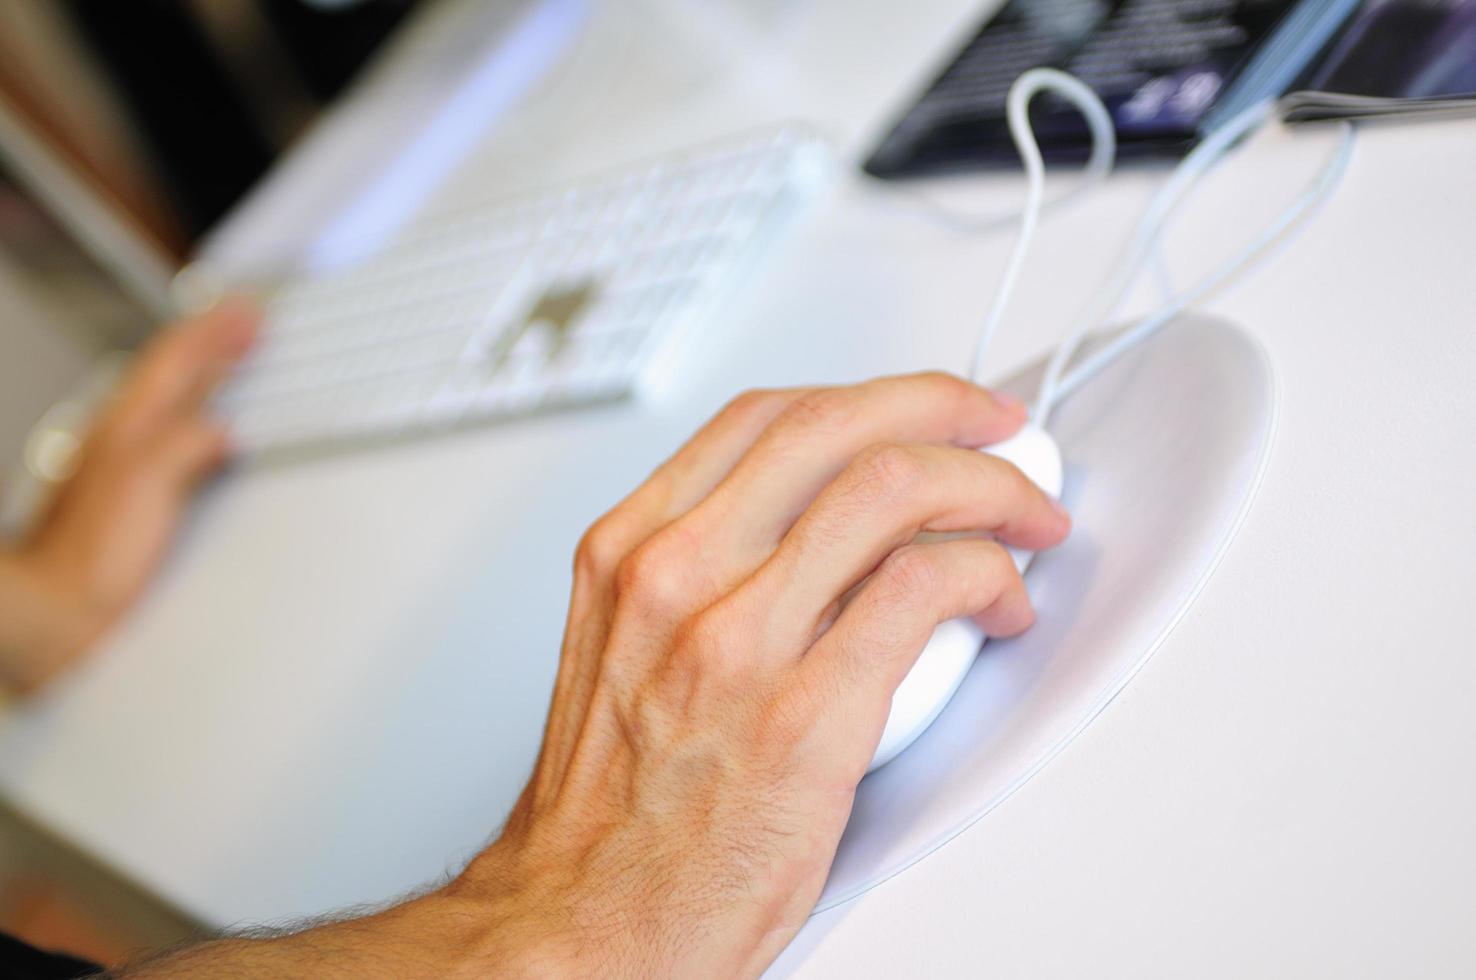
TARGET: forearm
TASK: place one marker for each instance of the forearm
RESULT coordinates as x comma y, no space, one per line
424,937
449,933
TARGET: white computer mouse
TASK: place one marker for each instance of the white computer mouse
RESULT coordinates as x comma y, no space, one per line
940,669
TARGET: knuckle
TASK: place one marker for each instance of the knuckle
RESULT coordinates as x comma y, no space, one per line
602,547
700,638
654,573
827,409
996,570
641,571
941,383
890,470
909,574
695,674
752,404
999,570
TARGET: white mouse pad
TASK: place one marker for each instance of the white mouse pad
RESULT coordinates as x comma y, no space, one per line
1163,453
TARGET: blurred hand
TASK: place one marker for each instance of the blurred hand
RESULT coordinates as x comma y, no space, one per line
107,528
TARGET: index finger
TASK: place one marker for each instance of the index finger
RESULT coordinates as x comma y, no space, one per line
179,369
819,434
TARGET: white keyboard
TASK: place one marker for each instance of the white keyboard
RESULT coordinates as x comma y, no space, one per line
567,297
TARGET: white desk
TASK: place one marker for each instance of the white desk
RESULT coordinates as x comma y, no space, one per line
336,688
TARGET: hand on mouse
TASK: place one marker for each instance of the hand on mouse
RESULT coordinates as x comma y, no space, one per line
715,704
713,712
107,527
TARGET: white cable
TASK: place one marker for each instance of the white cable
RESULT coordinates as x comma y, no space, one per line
1143,247
961,221
1104,303
1163,279
1315,194
1017,111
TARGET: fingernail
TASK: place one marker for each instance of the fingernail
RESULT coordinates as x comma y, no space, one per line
1060,509
1008,402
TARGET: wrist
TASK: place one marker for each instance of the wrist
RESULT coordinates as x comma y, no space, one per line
41,628
567,905
509,918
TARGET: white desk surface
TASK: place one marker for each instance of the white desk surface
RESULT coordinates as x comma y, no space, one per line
336,687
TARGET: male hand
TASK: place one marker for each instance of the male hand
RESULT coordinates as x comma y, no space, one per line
107,527
736,630
716,703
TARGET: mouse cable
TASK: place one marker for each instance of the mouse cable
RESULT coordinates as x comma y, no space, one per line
1142,249
917,203
1054,386
1104,305
1017,113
